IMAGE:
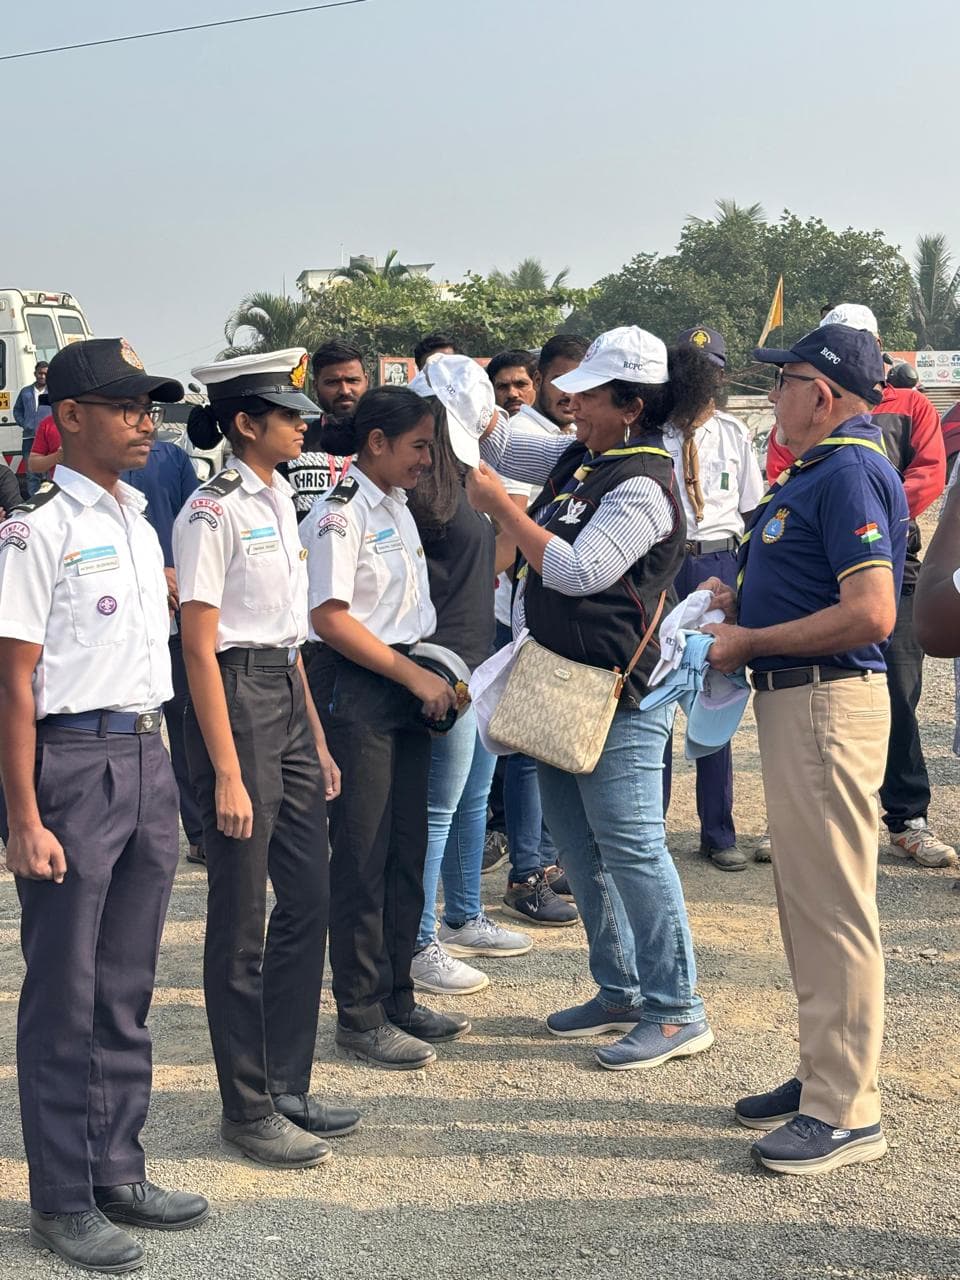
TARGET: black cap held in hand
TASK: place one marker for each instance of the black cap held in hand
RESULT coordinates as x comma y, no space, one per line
107,367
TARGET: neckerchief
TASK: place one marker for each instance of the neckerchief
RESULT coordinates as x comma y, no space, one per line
820,451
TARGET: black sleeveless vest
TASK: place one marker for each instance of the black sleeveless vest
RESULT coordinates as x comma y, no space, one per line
604,629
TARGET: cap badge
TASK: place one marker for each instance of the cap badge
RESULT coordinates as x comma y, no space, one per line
700,338
773,530
127,352
593,348
298,374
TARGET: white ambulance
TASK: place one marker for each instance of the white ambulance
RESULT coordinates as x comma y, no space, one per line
34,325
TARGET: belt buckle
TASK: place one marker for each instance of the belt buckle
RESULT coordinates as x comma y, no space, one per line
147,722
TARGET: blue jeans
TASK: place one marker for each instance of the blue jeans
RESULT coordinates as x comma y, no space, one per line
460,775
610,831
529,842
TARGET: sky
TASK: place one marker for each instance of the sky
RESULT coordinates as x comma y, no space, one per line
160,181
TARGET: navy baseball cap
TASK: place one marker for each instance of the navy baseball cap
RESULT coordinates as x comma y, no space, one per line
706,340
109,366
848,357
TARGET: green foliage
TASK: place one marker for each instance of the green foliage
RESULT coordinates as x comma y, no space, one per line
391,273
935,295
265,322
529,276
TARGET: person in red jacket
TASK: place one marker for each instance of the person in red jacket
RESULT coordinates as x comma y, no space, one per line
912,437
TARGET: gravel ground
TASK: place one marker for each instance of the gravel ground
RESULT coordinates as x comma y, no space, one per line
516,1156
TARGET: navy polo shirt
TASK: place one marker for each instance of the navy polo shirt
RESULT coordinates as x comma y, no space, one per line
167,481
846,511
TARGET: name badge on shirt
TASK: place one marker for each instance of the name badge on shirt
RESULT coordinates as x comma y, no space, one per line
384,541
257,542
92,560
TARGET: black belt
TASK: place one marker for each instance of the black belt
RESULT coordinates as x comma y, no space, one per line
794,677
708,548
103,722
258,659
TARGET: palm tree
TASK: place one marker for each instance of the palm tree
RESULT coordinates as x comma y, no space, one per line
274,322
530,276
729,212
934,293
391,273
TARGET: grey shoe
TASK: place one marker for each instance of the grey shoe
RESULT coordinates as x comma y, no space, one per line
763,849
481,937
86,1240
730,859
435,969
385,1046
276,1141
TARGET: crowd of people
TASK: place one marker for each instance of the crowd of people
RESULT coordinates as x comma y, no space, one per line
308,624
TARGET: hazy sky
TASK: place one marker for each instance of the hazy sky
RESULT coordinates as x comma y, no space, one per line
160,181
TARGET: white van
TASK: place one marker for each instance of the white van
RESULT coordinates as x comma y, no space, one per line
34,325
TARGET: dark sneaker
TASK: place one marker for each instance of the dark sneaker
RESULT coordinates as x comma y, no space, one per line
427,1024
558,882
86,1240
534,901
385,1046
646,1046
808,1146
142,1204
196,854
316,1117
763,849
495,851
769,1110
591,1019
729,859
276,1141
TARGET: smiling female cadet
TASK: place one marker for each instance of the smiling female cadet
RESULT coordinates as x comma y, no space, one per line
259,763
369,603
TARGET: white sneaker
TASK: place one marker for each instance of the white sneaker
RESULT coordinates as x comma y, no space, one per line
481,937
434,969
922,845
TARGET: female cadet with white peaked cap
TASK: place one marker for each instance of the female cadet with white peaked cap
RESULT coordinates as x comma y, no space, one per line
369,604
259,762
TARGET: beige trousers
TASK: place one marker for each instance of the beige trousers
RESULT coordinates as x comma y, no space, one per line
823,749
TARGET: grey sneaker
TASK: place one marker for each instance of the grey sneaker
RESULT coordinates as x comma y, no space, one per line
922,845
434,969
276,1141
481,937
763,849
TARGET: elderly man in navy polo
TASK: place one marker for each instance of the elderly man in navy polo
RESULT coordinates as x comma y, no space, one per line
820,573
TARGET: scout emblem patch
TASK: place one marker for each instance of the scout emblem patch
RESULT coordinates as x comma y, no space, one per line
127,352
700,338
868,533
773,529
298,374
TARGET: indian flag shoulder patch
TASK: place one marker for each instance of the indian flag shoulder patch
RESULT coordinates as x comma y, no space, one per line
868,533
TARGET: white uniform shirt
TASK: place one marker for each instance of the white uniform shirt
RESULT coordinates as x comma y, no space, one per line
730,477
367,553
82,575
239,551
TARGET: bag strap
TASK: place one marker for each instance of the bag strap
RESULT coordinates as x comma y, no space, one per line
647,635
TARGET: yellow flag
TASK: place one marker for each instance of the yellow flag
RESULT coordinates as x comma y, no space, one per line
775,314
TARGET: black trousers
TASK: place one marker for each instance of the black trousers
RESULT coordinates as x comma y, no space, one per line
906,787
378,833
174,713
262,999
84,1062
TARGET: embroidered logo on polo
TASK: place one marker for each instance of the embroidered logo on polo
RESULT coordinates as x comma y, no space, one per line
868,533
257,542
775,526
92,560
573,513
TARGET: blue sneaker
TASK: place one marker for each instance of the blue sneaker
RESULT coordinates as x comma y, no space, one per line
646,1046
769,1110
809,1146
591,1019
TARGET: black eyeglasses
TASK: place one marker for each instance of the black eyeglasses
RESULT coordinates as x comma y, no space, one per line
782,377
133,414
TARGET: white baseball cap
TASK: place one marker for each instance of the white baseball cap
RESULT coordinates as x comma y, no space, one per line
465,391
854,315
627,354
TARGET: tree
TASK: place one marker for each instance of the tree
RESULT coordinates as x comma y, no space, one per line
389,274
267,322
935,294
529,276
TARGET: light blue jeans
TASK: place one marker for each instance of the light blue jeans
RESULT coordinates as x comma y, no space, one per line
460,775
609,828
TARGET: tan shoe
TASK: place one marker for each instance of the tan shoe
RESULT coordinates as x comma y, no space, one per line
922,845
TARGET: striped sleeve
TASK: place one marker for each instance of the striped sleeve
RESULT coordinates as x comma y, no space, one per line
522,453
630,519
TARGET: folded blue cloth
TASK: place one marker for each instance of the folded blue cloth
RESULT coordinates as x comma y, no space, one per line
712,702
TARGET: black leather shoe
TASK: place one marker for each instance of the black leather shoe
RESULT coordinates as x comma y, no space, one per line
316,1117
86,1240
276,1141
384,1046
425,1024
142,1204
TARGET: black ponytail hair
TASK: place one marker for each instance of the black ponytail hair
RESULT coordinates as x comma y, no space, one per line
694,382
394,410
208,424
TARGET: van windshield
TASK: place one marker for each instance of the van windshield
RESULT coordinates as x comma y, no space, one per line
43,334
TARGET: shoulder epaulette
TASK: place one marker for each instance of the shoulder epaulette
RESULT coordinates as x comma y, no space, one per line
224,483
49,489
345,491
